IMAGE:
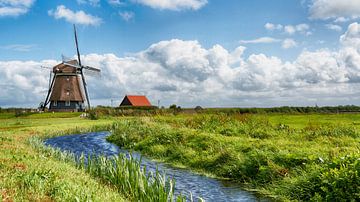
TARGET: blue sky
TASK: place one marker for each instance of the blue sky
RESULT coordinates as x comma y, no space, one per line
252,53
217,22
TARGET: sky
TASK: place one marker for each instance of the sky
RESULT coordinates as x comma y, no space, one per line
212,53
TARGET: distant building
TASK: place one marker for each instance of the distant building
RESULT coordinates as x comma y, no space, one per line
135,101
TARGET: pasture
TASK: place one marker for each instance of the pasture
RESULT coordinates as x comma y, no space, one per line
283,156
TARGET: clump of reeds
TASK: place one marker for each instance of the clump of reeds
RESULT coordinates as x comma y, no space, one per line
122,172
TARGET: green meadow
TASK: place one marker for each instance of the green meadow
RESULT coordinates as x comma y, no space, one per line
281,156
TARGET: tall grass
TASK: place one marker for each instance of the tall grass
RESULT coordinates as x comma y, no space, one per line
122,172
316,162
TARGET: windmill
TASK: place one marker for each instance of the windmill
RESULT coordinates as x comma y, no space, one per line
68,88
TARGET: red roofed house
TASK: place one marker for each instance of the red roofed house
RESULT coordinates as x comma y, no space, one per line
135,101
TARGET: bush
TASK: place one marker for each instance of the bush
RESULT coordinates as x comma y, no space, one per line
92,115
173,106
337,180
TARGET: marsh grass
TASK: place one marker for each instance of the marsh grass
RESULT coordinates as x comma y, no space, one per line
124,173
316,162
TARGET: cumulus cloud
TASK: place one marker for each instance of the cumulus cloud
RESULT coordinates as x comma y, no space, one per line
334,27
288,43
302,28
14,7
260,40
186,73
351,38
341,20
173,4
271,27
78,17
23,82
289,29
334,9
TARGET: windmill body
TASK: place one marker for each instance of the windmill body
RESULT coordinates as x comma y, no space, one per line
67,92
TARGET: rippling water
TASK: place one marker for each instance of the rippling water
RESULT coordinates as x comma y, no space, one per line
208,188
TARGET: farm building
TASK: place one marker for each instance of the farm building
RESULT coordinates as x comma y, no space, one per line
135,101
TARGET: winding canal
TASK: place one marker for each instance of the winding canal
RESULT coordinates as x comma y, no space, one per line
208,188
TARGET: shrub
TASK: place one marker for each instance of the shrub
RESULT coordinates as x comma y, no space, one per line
92,115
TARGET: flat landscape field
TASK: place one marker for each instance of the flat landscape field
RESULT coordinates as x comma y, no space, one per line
282,156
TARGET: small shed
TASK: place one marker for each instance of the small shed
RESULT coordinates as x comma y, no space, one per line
135,101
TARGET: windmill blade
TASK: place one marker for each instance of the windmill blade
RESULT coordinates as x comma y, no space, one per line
85,88
92,73
92,69
49,91
50,79
77,45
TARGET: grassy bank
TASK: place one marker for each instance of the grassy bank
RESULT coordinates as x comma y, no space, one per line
29,175
31,171
289,157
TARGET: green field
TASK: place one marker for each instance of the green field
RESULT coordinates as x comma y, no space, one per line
284,156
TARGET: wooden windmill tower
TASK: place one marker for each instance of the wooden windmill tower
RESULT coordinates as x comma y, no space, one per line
68,89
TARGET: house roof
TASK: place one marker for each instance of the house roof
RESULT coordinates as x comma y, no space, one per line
135,100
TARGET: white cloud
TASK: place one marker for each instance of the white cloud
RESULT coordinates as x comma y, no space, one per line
14,7
116,2
78,17
333,9
341,19
90,2
23,82
288,43
127,15
301,28
173,4
289,29
351,38
285,44
186,73
271,27
260,40
334,27
19,47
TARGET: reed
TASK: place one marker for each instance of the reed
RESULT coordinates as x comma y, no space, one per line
317,161
123,172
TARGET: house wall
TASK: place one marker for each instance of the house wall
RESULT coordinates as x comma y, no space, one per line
125,102
61,106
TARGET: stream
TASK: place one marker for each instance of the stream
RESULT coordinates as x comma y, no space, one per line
207,188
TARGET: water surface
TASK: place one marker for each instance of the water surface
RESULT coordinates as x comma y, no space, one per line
208,188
